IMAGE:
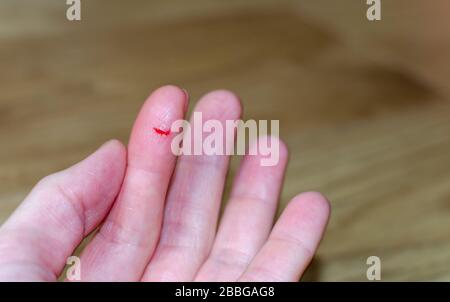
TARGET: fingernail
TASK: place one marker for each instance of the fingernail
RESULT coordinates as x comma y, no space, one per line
186,101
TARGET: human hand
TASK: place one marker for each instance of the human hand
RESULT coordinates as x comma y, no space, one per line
159,214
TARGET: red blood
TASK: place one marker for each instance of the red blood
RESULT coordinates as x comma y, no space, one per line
161,132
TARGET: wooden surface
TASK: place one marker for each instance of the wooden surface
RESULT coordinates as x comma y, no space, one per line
364,107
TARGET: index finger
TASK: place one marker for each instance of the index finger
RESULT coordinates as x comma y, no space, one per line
125,243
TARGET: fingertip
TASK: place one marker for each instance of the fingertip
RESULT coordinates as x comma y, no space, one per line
170,93
315,203
114,145
109,161
112,153
220,102
116,151
271,140
169,90
164,106
284,149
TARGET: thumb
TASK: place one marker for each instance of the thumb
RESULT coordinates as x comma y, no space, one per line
58,213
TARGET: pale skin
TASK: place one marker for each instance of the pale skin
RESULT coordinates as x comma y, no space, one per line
157,214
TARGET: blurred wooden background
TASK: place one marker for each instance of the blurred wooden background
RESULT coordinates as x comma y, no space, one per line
364,107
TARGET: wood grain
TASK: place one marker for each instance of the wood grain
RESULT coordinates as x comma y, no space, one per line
363,107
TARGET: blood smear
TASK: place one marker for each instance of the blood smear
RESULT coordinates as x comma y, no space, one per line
161,132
